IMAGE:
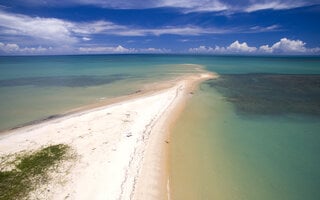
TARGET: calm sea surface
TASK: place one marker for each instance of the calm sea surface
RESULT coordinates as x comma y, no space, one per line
36,87
252,134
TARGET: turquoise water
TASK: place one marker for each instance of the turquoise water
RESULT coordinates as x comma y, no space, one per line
243,136
219,154
250,136
36,87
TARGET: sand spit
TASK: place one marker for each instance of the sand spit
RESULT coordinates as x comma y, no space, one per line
120,147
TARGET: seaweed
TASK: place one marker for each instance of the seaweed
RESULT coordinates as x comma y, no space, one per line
28,170
271,94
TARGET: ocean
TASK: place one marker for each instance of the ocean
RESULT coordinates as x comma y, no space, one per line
251,134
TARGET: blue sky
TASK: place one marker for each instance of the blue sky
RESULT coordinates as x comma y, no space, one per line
269,27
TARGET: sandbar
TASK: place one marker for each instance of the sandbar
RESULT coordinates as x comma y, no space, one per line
120,147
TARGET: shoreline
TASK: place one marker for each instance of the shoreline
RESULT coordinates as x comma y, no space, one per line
146,90
122,145
160,169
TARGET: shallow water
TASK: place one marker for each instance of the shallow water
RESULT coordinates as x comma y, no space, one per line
36,87
239,139
217,154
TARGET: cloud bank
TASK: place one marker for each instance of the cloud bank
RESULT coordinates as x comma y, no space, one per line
16,49
284,46
121,50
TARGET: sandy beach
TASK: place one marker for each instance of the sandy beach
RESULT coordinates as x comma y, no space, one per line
120,147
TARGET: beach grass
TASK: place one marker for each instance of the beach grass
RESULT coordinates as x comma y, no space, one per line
22,173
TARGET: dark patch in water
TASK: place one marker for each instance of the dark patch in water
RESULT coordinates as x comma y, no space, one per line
66,81
271,94
38,121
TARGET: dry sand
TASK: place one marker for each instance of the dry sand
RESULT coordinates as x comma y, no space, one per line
120,147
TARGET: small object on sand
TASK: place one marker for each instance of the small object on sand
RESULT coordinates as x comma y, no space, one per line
137,91
167,141
129,134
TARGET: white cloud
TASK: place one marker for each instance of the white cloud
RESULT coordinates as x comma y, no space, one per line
57,31
11,48
257,5
8,47
231,6
259,29
235,48
194,6
187,30
238,47
184,40
265,49
104,49
202,49
121,49
16,49
275,5
95,27
153,50
119,4
315,50
54,30
284,46
49,29
86,39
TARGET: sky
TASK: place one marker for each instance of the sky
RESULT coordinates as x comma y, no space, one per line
254,27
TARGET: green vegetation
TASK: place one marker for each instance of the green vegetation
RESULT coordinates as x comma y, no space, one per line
29,170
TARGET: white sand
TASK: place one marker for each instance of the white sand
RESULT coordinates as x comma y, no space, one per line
111,142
